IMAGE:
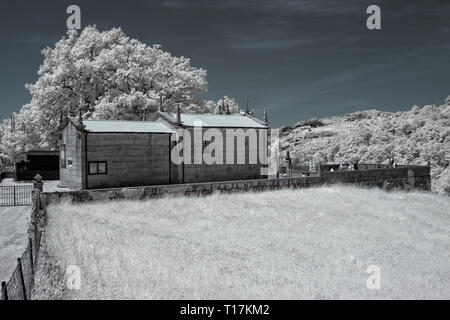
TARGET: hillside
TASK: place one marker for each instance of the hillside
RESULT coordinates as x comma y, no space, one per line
419,136
290,244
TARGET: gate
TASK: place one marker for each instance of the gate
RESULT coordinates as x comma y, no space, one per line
15,195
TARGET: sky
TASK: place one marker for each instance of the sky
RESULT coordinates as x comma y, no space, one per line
299,59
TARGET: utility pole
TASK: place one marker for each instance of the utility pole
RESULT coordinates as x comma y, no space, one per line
13,123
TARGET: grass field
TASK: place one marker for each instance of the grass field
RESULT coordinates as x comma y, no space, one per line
289,244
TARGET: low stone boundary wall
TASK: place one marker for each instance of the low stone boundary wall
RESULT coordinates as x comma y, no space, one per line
412,177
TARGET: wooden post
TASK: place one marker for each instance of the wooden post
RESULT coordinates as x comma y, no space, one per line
36,244
38,201
4,291
22,280
39,242
37,183
14,192
30,243
38,186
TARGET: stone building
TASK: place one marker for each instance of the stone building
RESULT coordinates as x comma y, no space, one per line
247,135
106,154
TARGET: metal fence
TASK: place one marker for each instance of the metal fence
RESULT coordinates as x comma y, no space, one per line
20,285
15,195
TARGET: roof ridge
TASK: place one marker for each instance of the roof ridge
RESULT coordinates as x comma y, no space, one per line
207,114
139,121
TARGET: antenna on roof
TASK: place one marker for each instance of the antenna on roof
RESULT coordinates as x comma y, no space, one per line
228,109
246,106
80,119
266,119
222,106
13,122
161,108
178,116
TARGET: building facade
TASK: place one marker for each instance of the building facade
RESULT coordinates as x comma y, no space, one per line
107,154
97,154
243,146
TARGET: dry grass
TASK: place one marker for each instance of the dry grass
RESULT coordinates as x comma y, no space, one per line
289,244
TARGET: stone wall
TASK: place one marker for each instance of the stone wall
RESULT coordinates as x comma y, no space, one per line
194,173
403,178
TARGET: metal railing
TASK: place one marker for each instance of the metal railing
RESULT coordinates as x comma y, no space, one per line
20,284
15,195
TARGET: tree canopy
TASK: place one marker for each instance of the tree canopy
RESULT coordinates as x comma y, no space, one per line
102,75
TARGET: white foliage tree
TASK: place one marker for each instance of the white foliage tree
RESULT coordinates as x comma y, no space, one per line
103,75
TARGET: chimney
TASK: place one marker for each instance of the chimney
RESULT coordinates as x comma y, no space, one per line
246,107
228,109
161,108
178,116
80,120
288,164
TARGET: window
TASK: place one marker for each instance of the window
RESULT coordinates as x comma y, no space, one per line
101,168
62,156
69,162
97,167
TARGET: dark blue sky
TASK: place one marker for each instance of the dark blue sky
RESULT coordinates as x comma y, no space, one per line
300,59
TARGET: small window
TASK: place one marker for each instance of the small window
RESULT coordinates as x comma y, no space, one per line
101,168
98,167
69,162
93,168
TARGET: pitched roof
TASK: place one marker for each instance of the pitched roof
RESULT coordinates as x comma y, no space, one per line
104,126
217,120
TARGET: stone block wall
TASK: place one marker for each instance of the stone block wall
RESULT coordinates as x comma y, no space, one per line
132,159
403,178
194,173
